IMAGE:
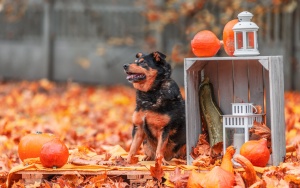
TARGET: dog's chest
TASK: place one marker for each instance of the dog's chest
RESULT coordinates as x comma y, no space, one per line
152,119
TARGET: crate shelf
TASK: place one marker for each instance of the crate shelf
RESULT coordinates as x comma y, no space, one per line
255,79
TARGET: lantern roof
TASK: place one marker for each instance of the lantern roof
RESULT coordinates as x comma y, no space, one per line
245,16
245,22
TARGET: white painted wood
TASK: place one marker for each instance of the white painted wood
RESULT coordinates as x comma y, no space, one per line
225,80
240,82
260,78
256,83
264,63
277,109
193,120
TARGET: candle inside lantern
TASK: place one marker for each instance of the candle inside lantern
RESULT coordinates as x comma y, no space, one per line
238,141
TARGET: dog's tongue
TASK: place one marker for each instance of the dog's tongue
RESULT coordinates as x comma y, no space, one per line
132,77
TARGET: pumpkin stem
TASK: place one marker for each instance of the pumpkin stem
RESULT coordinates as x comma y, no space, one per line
249,175
226,160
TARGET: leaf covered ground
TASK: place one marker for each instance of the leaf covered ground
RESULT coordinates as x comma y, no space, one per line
93,118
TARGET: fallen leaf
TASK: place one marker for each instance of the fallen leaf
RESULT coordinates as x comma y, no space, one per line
178,178
156,171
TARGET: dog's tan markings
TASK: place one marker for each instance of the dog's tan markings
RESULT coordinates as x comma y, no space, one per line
136,142
161,146
137,118
156,56
146,85
136,69
138,55
157,120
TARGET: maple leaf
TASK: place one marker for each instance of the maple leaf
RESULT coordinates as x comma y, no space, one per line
260,130
98,180
68,180
217,149
120,161
156,171
47,184
202,147
258,109
179,179
204,162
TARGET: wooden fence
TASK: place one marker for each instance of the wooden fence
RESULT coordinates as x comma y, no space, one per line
90,40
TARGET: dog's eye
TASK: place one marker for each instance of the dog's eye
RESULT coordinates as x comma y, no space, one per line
141,63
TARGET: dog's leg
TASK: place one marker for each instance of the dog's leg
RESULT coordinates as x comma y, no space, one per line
138,137
163,137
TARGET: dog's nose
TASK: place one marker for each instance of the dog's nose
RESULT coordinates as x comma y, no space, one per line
125,66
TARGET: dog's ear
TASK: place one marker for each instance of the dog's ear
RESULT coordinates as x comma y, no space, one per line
158,56
140,54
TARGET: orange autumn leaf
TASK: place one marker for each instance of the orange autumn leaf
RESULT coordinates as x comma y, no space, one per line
179,179
156,171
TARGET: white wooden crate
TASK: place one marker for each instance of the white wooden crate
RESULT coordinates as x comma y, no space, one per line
255,79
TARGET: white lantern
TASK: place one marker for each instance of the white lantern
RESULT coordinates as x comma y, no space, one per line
236,126
245,36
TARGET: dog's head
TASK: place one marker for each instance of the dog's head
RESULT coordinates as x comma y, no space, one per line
147,71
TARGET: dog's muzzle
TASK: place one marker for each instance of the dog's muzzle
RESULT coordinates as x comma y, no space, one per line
133,77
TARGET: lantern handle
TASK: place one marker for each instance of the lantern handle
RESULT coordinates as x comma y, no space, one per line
254,109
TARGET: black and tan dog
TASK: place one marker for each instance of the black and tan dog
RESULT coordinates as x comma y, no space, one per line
159,117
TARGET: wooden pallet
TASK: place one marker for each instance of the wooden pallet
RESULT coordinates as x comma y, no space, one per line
134,178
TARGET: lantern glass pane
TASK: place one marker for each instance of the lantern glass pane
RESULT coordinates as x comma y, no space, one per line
239,40
250,40
235,137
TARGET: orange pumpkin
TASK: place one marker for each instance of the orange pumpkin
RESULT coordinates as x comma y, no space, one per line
256,151
218,178
54,154
226,160
205,44
228,37
30,145
249,175
195,179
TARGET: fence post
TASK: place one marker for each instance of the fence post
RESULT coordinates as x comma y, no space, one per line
48,38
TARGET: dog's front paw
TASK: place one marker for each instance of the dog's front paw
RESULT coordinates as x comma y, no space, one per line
164,162
147,158
129,159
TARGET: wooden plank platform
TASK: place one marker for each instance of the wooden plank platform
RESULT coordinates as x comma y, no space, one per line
133,175
133,178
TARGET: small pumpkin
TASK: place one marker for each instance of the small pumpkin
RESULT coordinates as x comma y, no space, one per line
54,154
226,160
218,178
256,151
249,175
31,144
205,44
228,37
195,179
